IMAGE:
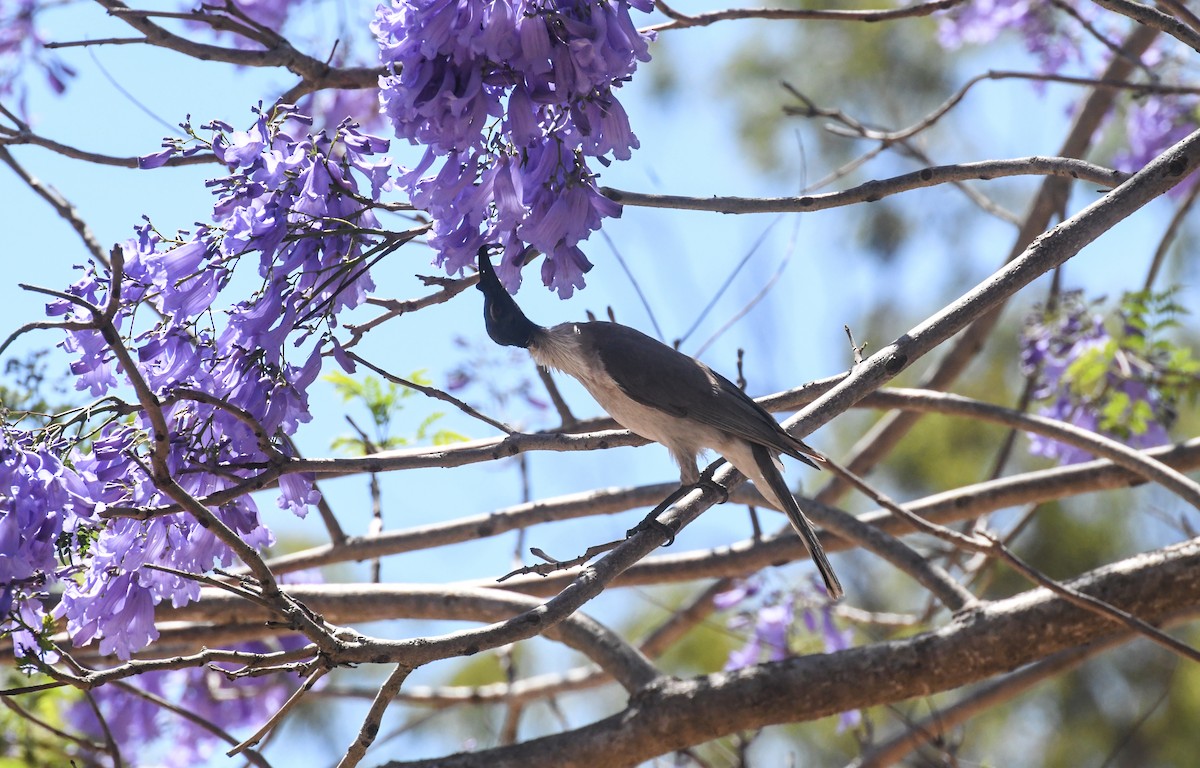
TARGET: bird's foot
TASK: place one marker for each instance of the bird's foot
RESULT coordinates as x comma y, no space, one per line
652,523
706,481
713,485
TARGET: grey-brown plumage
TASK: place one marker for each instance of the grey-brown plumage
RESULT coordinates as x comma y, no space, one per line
638,363
665,396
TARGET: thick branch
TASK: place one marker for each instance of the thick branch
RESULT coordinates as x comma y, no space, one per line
346,603
977,645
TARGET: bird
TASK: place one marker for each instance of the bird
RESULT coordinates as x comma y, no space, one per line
665,396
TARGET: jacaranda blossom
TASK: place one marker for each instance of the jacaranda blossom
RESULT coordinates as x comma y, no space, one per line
511,98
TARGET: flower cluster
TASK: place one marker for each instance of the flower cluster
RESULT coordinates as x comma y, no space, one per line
1037,23
1122,383
1152,122
139,725
510,99
773,615
1152,125
230,385
41,500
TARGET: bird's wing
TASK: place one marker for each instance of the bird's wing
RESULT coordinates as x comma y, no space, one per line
655,375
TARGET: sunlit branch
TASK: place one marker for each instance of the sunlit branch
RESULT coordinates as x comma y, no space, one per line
872,191
682,21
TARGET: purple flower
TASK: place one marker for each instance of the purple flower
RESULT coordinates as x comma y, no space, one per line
39,499
233,703
746,656
774,623
271,14
740,591
513,113
93,368
981,21
22,45
297,493
1152,125
772,628
332,107
1085,376
287,206
115,609
157,159
133,721
186,286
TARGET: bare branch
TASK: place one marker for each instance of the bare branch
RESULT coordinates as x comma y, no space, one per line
871,191
1154,19
683,21
370,727
436,394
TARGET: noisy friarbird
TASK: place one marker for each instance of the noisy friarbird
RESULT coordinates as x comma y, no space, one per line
665,396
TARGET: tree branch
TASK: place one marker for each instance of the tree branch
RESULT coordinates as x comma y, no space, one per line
872,191
976,645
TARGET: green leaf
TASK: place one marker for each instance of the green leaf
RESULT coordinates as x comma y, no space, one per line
423,428
1113,412
1088,373
1140,416
447,436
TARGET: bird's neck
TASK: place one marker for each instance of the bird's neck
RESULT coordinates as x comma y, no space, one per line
559,348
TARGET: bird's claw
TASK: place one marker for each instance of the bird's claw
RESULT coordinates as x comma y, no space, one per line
706,481
713,485
652,523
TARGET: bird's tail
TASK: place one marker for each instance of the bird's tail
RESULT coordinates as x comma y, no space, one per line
805,452
774,479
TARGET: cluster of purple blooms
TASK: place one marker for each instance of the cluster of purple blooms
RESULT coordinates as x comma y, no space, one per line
272,14
138,724
1085,376
1038,23
771,617
292,203
1152,125
510,99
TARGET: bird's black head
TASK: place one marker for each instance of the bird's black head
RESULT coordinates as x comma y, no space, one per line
506,323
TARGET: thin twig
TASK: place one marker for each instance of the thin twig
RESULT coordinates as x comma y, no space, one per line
435,393
1169,235
275,719
551,564
683,21
871,191
370,727
1090,603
